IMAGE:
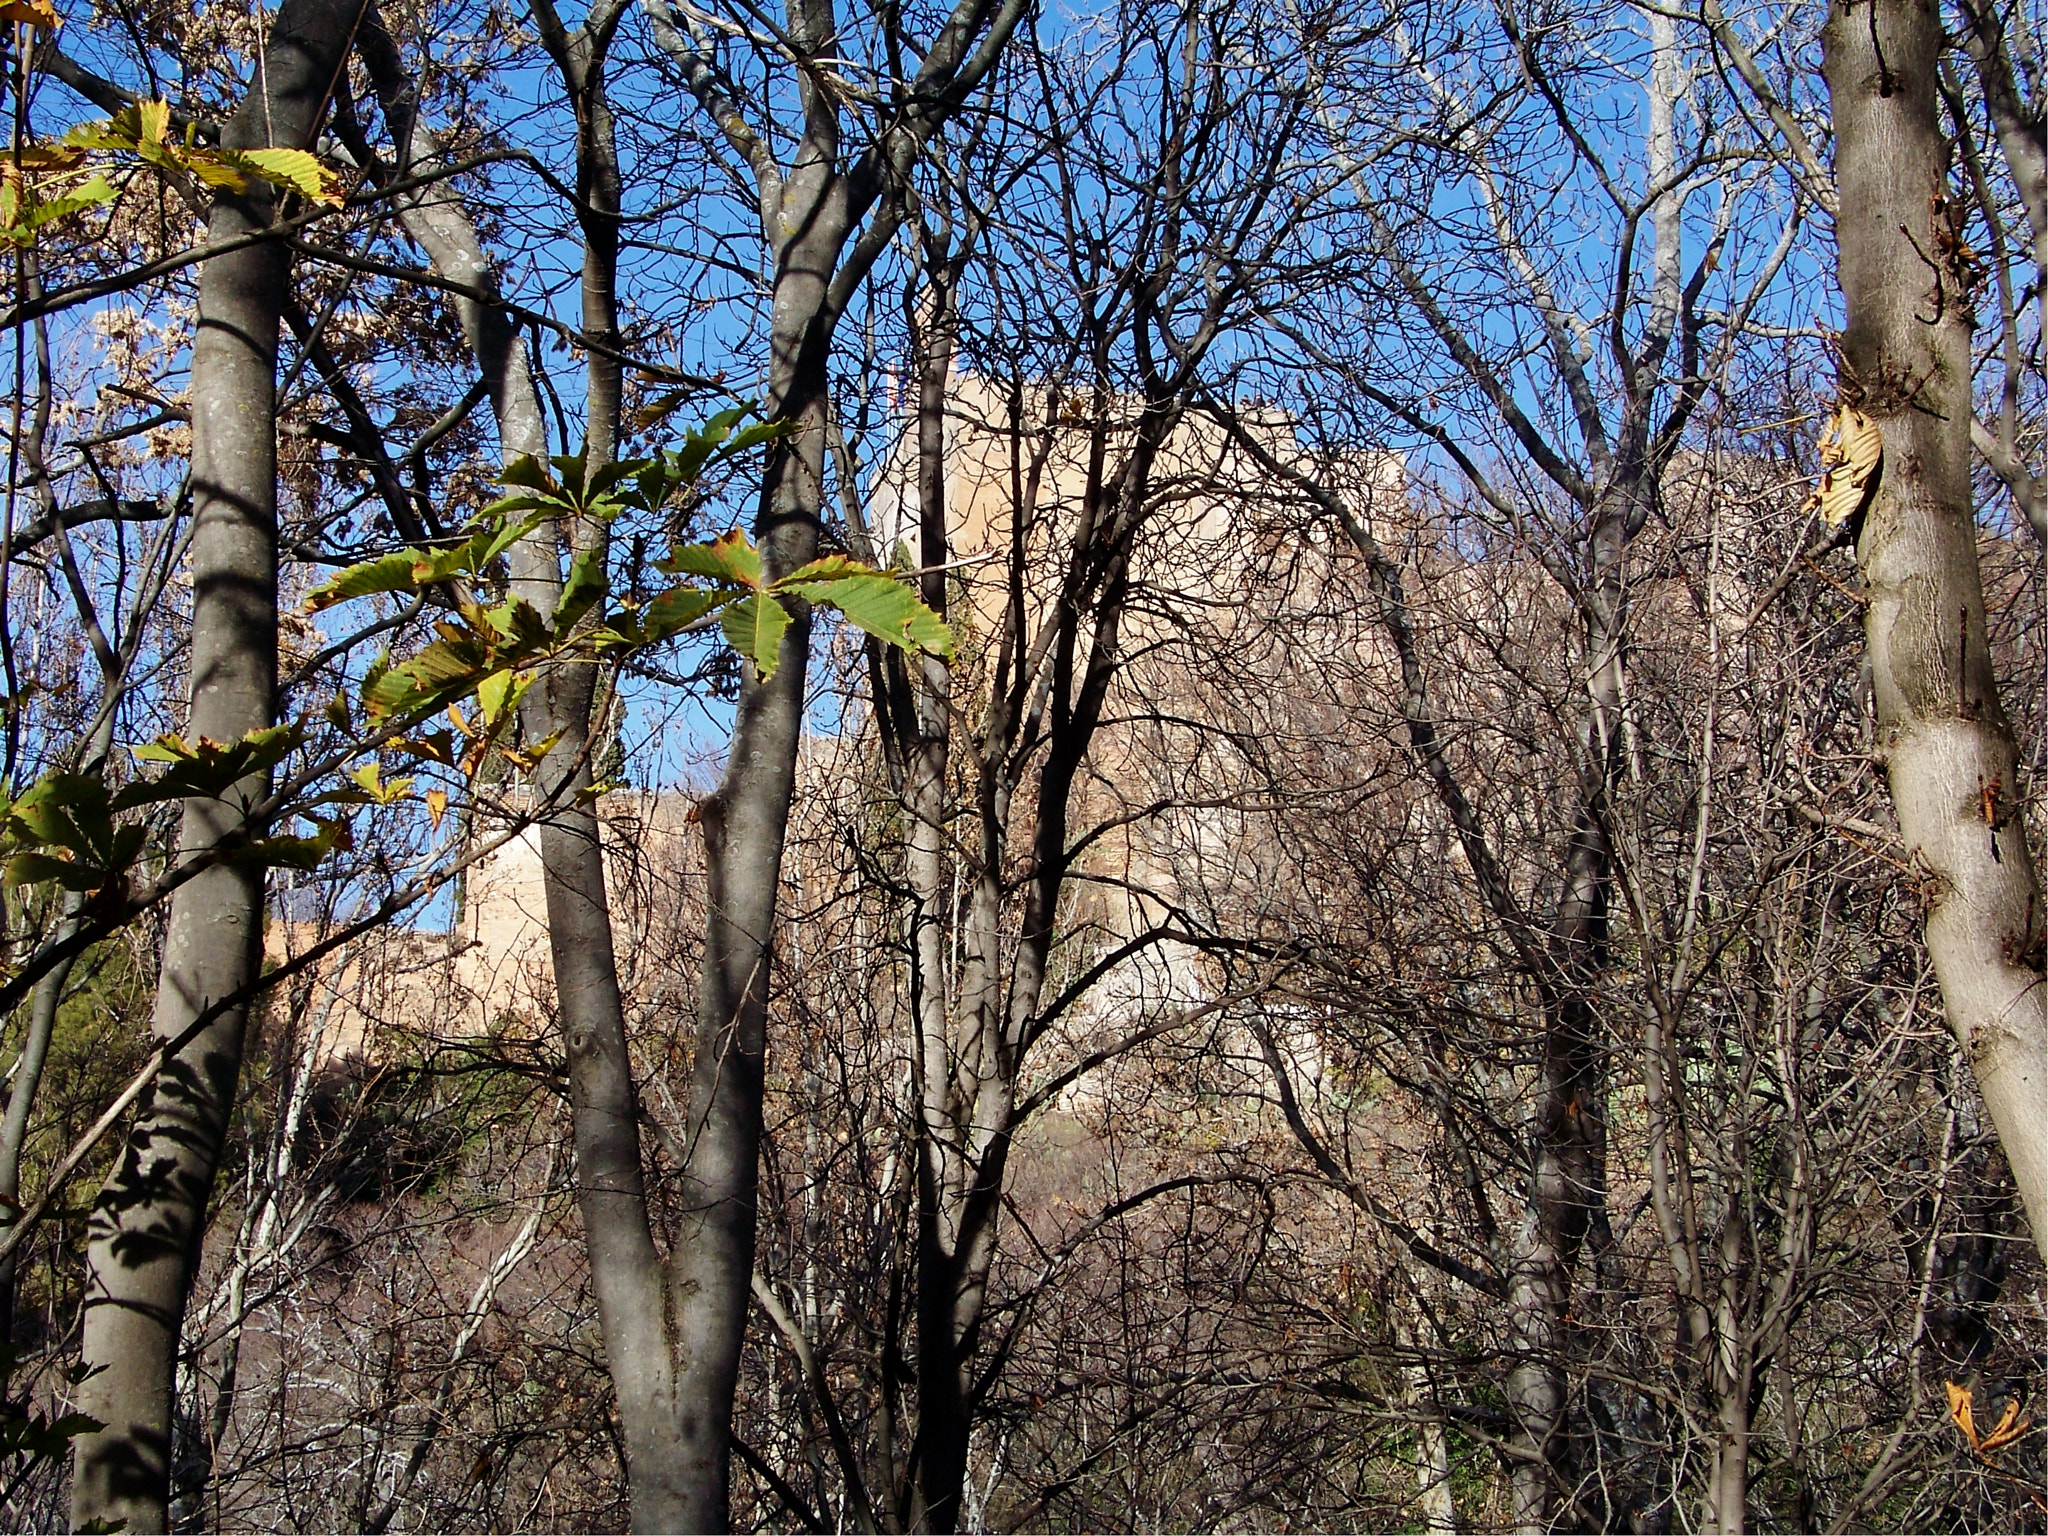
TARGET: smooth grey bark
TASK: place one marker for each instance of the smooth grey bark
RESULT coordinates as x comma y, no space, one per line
1950,754
25,1076
744,824
25,1079
435,218
810,210
147,1224
626,1265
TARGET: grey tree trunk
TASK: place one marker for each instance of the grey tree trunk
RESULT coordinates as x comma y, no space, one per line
1567,1192
21,1099
972,1058
809,211
1949,751
1727,1506
25,1077
924,695
147,1224
437,221
626,1266
744,823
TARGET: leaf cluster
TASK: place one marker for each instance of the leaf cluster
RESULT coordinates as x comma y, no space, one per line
64,828
39,183
475,651
70,830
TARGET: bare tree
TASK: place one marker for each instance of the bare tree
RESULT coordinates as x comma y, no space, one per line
2008,189
826,214
1072,606
1624,362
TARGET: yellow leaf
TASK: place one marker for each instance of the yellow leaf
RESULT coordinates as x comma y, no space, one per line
293,169
1959,1410
2010,1428
529,759
435,746
153,119
37,13
437,806
212,172
499,692
384,794
1851,459
661,407
44,157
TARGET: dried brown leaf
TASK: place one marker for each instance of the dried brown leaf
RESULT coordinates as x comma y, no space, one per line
1851,458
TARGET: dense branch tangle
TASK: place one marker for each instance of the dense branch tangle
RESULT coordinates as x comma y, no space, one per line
1372,980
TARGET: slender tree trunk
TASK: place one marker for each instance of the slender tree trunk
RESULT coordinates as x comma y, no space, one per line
626,1266
1567,1201
1432,1467
1949,750
971,1092
1536,1299
926,690
744,823
1728,1480
808,211
21,1098
148,1222
435,218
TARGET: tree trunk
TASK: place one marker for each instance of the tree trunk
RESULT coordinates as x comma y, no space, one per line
808,211
1567,1196
626,1269
21,1100
1727,1509
437,221
920,723
1949,750
149,1219
970,1105
625,1265
744,822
